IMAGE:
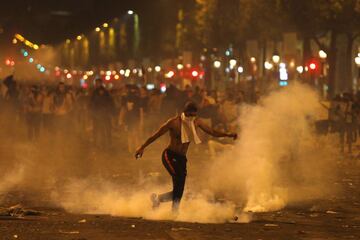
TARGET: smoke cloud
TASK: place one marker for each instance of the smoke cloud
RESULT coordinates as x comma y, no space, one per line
278,160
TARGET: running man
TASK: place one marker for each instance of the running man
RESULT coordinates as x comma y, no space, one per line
183,130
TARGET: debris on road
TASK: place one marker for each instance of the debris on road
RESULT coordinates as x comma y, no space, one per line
271,225
69,232
180,229
18,211
331,212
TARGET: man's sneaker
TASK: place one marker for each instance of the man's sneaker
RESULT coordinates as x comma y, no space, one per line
155,201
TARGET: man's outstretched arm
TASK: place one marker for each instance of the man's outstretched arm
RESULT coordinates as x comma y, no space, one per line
161,131
213,132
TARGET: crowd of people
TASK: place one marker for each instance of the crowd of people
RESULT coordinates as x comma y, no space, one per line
133,111
344,118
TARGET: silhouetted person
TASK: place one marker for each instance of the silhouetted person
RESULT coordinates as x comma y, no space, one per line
102,108
183,129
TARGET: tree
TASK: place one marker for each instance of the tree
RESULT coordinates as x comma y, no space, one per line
314,19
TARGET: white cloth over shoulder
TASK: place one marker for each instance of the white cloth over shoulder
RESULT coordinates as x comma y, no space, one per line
188,129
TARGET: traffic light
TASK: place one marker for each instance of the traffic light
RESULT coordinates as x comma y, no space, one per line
313,66
195,73
9,62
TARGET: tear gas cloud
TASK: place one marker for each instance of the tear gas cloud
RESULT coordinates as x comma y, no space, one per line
278,160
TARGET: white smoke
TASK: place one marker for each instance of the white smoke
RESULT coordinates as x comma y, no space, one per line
97,196
279,158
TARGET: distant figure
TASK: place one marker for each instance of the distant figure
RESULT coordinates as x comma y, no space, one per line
47,109
102,108
63,104
132,115
33,110
183,129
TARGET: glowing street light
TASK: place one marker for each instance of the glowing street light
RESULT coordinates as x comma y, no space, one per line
127,72
180,66
170,74
130,12
157,68
79,37
312,66
240,69
195,73
252,59
97,29
322,54
276,58
233,63
105,25
300,69
217,64
268,65
357,61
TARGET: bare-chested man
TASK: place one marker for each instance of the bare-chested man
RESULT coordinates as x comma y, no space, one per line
183,130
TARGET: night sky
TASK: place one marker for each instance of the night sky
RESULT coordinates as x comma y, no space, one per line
52,21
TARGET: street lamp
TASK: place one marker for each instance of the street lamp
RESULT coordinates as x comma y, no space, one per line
268,65
322,54
180,66
232,63
300,69
130,12
276,58
157,68
217,64
357,61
